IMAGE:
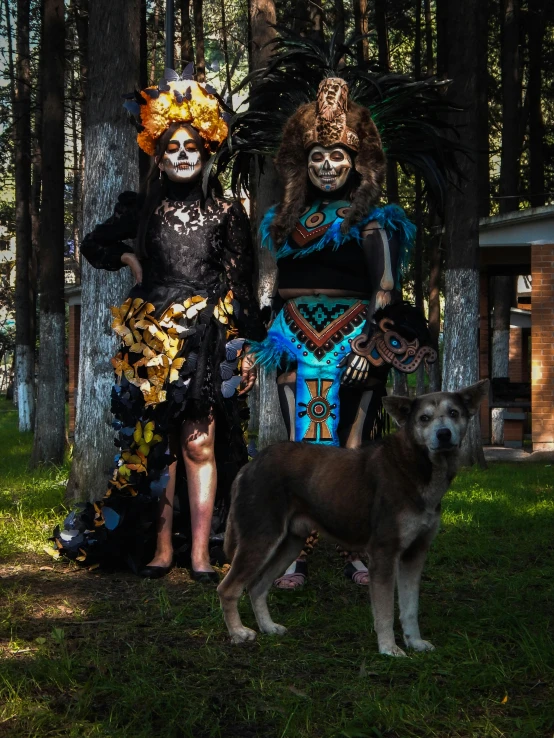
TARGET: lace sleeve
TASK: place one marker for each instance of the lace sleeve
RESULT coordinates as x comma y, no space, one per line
104,246
239,272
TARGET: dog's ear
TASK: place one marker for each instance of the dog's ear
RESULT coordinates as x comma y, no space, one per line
398,408
473,395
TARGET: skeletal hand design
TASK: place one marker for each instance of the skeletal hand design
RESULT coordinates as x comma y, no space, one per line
357,370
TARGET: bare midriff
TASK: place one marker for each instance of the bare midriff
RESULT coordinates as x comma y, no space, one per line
290,293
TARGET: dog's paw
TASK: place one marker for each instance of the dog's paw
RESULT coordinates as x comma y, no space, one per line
243,635
274,629
392,651
420,645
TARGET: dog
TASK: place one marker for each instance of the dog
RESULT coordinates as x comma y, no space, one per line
383,499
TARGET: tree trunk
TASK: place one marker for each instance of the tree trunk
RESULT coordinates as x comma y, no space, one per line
155,30
384,66
435,271
197,7
461,360
360,28
503,293
24,294
187,48
509,183
340,20
271,427
81,24
483,181
49,442
429,63
228,84
511,105
111,167
399,383
534,91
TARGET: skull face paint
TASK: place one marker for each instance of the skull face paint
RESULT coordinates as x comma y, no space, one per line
328,168
182,161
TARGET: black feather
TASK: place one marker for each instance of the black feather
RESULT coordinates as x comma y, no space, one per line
411,115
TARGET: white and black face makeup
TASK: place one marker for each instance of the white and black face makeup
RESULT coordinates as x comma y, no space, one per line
182,161
328,168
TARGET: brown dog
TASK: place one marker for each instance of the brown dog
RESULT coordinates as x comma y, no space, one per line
383,499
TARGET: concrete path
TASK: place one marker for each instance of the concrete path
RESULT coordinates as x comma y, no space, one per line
499,453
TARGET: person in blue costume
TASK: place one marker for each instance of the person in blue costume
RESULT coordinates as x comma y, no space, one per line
341,324
183,328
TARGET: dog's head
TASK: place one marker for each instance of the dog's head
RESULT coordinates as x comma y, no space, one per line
438,421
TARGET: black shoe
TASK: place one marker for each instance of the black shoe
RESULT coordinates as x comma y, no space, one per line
205,577
154,572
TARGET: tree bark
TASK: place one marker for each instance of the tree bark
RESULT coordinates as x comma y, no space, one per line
228,84
49,442
155,30
187,48
435,272
483,181
197,7
360,27
111,167
429,62
384,65
271,427
460,364
511,105
24,293
81,24
340,20
503,294
536,122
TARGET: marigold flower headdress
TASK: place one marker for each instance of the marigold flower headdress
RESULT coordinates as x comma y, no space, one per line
177,99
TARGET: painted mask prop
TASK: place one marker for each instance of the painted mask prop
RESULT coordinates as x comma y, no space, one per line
329,167
182,160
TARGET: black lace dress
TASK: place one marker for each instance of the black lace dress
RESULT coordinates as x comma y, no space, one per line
182,332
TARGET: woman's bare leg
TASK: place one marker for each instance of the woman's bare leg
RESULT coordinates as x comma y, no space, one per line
164,545
197,443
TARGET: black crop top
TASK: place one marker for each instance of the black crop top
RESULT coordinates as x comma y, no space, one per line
345,268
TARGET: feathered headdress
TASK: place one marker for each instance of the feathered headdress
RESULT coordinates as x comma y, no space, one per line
177,99
392,115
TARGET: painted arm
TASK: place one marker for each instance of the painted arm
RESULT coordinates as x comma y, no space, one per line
382,255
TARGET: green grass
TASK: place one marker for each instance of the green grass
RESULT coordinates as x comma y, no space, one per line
91,654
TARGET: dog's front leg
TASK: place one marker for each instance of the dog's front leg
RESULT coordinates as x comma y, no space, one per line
410,567
381,590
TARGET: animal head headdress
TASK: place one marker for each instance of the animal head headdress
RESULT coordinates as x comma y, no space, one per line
355,106
177,99
331,120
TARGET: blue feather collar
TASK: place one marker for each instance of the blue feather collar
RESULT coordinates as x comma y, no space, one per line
391,218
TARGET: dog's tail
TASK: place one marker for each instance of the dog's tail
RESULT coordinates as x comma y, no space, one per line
230,542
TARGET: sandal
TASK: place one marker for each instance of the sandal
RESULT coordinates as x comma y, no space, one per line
357,572
294,577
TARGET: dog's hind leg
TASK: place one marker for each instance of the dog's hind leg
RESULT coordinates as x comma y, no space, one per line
230,591
381,590
287,551
249,563
410,567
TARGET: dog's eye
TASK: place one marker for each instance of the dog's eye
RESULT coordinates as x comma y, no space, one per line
424,418
453,413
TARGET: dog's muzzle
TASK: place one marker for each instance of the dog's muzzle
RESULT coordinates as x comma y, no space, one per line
444,439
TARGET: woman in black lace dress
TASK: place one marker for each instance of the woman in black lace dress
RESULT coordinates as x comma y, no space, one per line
180,368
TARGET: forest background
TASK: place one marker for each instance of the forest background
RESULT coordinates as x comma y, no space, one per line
67,150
